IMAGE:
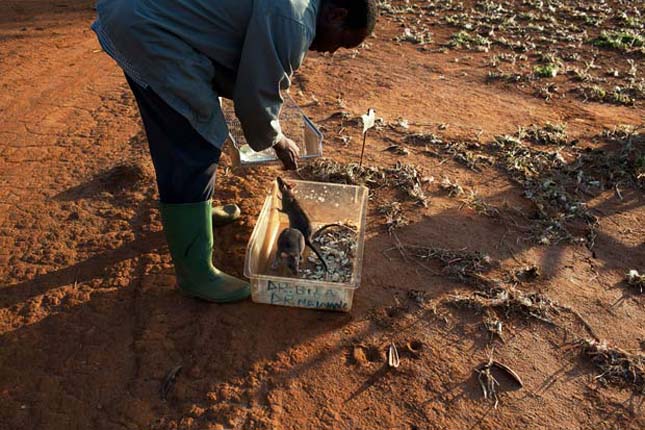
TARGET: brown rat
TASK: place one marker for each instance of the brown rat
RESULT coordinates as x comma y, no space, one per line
298,218
291,247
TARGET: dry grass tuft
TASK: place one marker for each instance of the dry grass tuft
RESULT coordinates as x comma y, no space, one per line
508,302
618,367
393,213
461,265
403,177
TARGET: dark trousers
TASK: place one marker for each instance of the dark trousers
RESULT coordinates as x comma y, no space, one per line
185,163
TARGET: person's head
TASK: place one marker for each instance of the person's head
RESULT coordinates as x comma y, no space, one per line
343,24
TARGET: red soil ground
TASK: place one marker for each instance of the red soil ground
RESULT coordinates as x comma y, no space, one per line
90,321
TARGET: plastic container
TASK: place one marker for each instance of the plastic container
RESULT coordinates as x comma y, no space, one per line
325,204
295,125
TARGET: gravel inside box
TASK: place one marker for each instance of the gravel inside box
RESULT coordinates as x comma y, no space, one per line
338,245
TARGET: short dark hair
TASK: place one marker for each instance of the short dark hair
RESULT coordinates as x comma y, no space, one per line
362,13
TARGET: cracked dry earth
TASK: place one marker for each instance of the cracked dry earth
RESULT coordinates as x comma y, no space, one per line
90,322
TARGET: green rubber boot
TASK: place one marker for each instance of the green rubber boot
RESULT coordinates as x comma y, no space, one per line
189,232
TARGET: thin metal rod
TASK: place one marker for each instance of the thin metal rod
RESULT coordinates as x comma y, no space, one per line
363,150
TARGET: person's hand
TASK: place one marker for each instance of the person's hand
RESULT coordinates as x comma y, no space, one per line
288,152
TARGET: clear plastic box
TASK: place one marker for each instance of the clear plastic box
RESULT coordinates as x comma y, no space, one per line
295,125
325,204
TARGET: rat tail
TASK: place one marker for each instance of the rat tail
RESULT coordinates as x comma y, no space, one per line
317,252
326,226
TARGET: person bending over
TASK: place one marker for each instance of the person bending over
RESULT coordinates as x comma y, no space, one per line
179,57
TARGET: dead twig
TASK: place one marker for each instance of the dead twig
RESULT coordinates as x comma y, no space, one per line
169,381
487,381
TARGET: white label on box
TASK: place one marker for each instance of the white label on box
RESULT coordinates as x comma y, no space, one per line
303,296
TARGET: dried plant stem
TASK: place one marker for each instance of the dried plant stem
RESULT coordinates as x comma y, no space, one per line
360,164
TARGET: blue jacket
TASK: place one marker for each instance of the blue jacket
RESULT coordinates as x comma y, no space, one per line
190,52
